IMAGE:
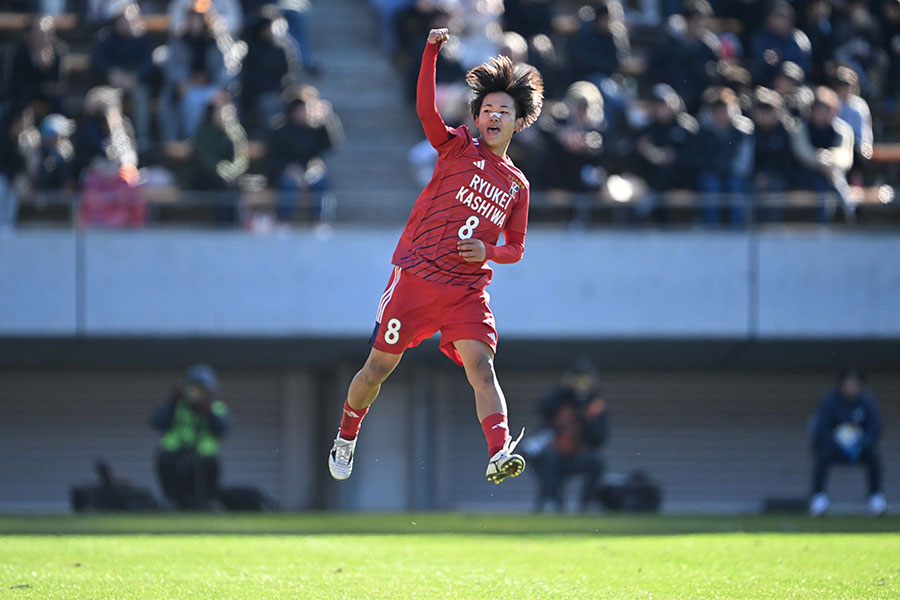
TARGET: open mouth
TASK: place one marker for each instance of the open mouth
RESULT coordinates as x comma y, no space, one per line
493,129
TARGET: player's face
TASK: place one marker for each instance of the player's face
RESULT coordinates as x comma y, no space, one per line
497,119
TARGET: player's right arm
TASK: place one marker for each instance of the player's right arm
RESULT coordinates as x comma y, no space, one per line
435,129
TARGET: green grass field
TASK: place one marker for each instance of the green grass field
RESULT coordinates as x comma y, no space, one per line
452,556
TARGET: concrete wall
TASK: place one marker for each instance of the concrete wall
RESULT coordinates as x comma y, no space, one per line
720,441
820,284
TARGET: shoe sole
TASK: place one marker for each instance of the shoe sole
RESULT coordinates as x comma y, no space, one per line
337,476
513,468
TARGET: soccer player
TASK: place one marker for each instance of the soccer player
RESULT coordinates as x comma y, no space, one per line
440,264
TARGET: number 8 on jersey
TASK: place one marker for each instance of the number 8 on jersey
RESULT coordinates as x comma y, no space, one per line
467,230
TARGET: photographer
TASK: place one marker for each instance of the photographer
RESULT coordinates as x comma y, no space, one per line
192,421
575,428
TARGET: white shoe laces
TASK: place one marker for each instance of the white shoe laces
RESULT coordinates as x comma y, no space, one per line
513,444
343,451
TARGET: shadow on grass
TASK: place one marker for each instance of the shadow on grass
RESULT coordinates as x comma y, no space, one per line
311,523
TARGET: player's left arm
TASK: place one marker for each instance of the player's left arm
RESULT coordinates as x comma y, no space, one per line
477,251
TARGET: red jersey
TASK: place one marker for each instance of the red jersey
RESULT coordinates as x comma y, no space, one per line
473,193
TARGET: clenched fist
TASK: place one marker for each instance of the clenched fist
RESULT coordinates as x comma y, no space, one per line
438,36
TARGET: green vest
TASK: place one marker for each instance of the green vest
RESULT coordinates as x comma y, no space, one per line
192,430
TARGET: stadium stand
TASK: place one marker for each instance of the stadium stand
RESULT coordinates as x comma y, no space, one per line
621,48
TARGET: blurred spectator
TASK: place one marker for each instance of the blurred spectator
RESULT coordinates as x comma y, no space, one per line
122,56
544,56
272,63
12,166
32,74
227,10
724,156
219,155
573,131
773,161
823,145
477,25
192,421
107,160
790,84
103,130
890,36
196,68
297,14
575,427
47,159
686,57
777,42
528,18
858,43
855,112
643,13
100,12
749,13
110,196
846,429
413,22
387,12
411,27
666,147
816,22
601,42
307,129
54,167
514,46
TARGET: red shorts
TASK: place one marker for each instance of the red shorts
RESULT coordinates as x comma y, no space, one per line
413,309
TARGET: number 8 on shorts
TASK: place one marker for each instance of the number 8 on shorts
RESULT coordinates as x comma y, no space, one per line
392,335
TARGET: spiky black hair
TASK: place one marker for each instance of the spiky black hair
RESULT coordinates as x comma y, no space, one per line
524,84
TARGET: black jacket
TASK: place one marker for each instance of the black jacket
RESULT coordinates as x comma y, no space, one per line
593,431
834,410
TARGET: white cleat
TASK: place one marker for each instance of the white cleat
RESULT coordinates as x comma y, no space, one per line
818,505
877,504
340,459
504,463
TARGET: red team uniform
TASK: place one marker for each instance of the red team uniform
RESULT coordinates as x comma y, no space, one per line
473,194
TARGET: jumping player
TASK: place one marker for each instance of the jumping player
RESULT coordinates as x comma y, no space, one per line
440,264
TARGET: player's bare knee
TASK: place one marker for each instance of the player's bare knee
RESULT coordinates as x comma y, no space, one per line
376,371
481,373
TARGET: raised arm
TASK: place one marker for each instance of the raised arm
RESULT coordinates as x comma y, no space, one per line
435,128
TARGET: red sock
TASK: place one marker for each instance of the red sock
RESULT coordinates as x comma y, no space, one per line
351,420
496,432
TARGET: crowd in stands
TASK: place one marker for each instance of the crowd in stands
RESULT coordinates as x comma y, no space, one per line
728,103
734,102
175,108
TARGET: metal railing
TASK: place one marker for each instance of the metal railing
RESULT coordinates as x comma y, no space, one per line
262,210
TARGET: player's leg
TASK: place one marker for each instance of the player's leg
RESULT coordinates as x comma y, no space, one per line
478,360
366,385
363,390
591,466
551,477
822,461
404,318
872,460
